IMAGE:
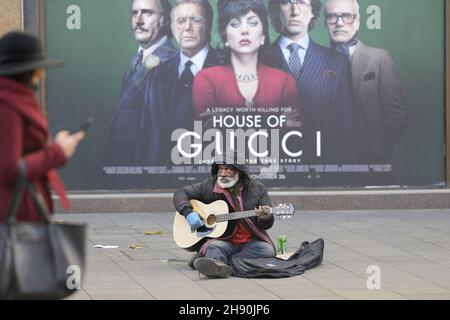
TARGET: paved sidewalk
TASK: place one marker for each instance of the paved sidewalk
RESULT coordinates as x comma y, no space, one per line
411,248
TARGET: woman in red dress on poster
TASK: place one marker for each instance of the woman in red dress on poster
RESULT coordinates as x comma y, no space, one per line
246,80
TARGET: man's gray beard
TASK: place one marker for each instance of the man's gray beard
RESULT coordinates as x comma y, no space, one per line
230,184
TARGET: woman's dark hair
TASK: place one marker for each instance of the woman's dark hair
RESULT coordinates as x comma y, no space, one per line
231,9
24,77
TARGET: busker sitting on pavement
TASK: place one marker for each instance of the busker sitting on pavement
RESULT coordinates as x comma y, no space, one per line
243,238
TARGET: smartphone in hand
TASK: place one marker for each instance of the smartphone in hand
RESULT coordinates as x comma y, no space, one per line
89,122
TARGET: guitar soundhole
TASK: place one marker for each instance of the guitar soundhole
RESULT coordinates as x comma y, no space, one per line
211,219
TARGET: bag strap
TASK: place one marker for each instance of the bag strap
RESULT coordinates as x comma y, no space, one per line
21,185
39,202
19,190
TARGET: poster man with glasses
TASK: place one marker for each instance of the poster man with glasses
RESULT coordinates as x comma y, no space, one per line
377,89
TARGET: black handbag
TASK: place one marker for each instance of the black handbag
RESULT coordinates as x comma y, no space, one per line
39,260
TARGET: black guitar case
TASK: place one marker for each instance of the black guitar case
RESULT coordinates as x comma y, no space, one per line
306,257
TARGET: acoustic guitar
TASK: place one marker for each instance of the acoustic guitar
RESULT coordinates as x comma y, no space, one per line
215,217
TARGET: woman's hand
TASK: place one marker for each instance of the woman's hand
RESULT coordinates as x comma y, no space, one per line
68,142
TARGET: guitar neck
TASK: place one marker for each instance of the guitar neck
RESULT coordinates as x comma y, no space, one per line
236,215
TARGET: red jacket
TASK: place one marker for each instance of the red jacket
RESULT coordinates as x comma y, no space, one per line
24,134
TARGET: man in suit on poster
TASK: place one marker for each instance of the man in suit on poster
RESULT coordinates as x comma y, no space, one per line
170,97
150,20
322,80
377,89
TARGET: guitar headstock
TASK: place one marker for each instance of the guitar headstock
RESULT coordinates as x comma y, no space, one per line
283,210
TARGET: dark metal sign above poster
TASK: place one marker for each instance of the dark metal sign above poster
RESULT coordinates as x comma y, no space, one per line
359,102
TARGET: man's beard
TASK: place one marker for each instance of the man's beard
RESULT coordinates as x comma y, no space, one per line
226,182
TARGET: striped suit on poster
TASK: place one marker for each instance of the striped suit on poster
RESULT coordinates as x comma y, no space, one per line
325,96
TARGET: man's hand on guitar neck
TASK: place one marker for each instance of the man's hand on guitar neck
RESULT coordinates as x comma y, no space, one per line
194,220
263,212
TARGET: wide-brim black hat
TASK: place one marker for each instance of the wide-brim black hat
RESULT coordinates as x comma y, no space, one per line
21,52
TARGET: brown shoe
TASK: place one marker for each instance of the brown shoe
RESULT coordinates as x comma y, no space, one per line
212,268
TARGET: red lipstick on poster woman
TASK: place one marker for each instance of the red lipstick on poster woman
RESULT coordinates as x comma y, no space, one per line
245,42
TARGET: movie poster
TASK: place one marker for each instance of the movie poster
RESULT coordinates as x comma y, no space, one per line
359,104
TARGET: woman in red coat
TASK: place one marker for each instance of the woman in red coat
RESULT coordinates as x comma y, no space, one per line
246,80
24,130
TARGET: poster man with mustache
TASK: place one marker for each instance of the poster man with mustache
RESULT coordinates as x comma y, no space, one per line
150,22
